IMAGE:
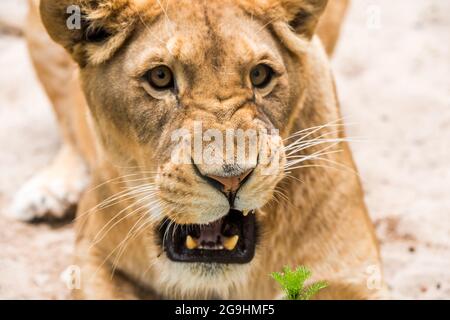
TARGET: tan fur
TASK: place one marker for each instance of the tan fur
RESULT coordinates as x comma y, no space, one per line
323,224
328,28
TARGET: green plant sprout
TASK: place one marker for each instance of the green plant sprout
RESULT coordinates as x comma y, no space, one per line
292,282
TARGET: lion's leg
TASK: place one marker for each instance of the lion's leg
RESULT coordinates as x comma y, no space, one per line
55,189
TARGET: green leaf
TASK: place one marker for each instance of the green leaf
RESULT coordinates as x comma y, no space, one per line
312,289
292,283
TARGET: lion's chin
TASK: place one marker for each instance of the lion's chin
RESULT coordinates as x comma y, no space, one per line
179,280
229,240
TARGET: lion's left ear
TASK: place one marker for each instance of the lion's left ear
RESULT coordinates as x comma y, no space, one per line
302,15
90,30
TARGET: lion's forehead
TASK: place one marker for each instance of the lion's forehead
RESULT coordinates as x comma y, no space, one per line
209,33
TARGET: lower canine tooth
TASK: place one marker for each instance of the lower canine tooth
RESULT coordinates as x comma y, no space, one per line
191,243
230,243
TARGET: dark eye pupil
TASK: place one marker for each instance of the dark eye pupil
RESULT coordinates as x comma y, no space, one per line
160,74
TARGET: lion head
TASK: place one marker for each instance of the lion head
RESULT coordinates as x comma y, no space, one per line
156,74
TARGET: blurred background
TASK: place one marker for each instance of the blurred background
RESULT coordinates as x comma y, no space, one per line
392,67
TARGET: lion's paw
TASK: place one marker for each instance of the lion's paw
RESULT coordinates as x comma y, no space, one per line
54,190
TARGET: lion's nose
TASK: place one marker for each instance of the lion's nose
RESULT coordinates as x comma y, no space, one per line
230,185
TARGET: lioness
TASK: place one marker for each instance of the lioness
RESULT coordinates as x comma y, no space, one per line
152,227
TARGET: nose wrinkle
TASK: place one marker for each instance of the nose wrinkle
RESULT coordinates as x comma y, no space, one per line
221,108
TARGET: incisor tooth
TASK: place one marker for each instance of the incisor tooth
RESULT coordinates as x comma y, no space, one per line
191,243
231,242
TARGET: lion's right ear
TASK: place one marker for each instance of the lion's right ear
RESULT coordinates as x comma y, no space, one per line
91,31
303,15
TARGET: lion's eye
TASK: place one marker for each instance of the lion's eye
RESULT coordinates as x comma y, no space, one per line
160,78
261,75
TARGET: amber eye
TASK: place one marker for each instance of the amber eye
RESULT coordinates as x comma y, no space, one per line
261,75
160,78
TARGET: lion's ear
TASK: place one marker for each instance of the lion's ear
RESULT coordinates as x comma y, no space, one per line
303,15
91,31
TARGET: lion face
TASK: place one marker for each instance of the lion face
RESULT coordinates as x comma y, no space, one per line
188,64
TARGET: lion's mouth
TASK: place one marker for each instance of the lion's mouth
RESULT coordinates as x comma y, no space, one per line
231,239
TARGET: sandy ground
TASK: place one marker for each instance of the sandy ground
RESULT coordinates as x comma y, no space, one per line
392,68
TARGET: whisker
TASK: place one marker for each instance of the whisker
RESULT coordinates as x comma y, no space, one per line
123,242
343,166
119,245
111,253
309,131
112,180
301,139
265,25
130,237
331,124
301,145
133,180
144,199
311,143
289,176
114,199
307,157
167,20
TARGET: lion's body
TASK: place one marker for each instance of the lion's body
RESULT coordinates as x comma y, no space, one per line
323,225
